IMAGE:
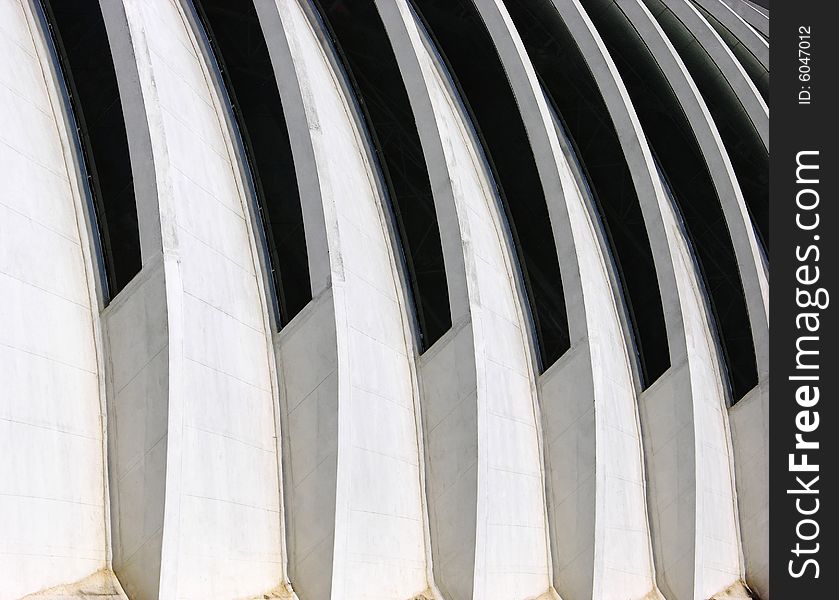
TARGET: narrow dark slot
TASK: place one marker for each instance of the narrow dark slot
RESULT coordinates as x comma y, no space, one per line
241,53
84,54
740,138
465,46
683,166
362,45
572,90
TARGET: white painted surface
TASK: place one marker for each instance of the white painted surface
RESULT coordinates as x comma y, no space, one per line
690,480
360,530
749,256
369,433
307,354
592,442
487,508
52,494
751,438
210,413
691,484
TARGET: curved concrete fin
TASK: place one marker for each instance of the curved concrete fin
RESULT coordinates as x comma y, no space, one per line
479,398
682,414
353,468
754,15
750,444
186,447
748,254
52,489
752,493
192,392
739,28
725,60
592,438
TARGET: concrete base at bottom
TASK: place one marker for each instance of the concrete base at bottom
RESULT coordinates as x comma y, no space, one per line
283,592
102,584
736,591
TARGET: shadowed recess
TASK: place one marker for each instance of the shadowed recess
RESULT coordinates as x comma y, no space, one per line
238,45
695,197
84,55
465,46
362,45
576,99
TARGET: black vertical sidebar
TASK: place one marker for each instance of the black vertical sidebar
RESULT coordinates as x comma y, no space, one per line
804,192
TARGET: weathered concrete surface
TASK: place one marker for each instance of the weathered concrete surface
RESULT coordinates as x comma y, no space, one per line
479,394
194,461
736,591
354,474
385,474
749,420
592,440
102,585
747,36
686,441
52,484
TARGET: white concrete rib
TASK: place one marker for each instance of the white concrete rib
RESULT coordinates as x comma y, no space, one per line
682,414
731,68
479,393
752,493
748,419
187,449
744,32
593,382
192,384
754,15
53,509
354,473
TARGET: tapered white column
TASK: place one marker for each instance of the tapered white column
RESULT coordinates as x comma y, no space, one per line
353,470
194,463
